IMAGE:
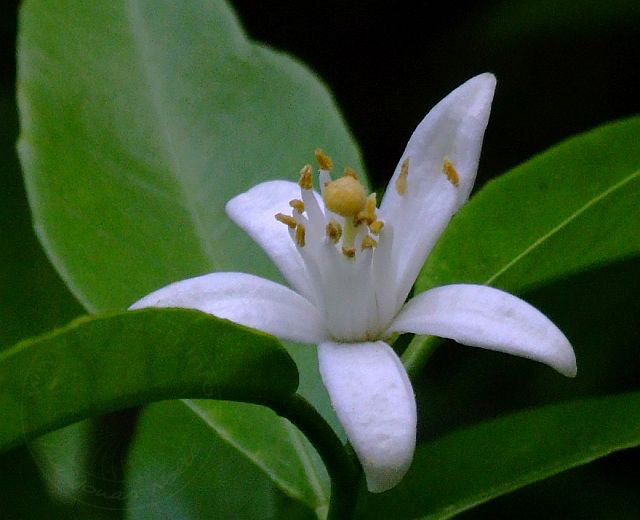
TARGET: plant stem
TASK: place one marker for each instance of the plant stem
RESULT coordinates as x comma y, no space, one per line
341,466
417,354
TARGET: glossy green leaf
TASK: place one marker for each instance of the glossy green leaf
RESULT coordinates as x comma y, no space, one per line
473,465
130,151
566,210
33,299
193,473
99,364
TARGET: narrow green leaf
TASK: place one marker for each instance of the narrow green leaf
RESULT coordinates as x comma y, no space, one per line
566,210
197,472
100,364
473,465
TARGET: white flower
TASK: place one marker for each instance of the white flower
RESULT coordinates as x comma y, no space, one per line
351,267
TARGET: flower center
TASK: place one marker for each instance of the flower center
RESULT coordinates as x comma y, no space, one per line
337,242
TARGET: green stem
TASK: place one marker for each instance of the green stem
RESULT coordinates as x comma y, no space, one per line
341,466
417,354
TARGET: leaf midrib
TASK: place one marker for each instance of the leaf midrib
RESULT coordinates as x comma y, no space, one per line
140,38
560,226
285,486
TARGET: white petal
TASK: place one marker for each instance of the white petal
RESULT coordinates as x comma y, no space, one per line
255,210
373,398
485,317
452,130
245,299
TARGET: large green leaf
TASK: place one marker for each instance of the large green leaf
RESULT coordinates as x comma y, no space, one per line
99,364
568,209
140,119
475,464
192,473
131,149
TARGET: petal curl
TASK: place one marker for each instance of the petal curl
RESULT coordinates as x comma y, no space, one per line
254,211
246,299
452,131
374,400
485,317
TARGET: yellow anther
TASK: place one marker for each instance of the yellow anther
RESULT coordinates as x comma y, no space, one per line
349,252
324,160
401,182
451,173
286,219
350,172
368,243
371,206
297,204
300,234
334,230
376,226
345,196
368,214
306,181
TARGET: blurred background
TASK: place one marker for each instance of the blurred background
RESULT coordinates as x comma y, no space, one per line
563,67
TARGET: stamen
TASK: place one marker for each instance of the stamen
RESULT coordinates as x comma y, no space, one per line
368,214
401,182
306,182
324,179
286,219
349,252
376,226
300,234
451,173
334,230
323,159
368,243
297,204
345,196
350,172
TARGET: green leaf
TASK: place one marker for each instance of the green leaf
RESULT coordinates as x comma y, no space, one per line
473,465
279,449
131,150
566,210
191,473
100,364
24,494
33,299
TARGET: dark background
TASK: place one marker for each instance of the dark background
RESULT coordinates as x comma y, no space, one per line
563,67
